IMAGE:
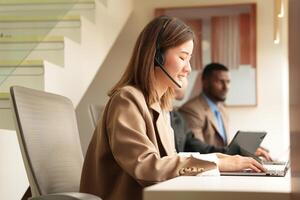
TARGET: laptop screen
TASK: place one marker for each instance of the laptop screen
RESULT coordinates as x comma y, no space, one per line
245,143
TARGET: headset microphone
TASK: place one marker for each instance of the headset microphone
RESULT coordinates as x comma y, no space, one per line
159,56
157,63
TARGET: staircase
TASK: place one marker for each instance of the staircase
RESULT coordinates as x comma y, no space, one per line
55,45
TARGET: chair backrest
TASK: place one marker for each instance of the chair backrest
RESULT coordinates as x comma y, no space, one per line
49,140
96,112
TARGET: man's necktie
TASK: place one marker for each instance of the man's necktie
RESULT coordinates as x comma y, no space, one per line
221,126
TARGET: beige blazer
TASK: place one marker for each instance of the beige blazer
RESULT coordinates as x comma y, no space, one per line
202,121
132,148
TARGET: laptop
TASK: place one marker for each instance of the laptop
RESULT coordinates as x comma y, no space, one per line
245,143
278,169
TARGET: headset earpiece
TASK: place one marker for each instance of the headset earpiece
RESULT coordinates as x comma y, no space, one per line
159,58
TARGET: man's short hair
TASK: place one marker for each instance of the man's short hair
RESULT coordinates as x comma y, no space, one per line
210,68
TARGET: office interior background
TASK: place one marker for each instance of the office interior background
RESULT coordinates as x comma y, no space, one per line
85,51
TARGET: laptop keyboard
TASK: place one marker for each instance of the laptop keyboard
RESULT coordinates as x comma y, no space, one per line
275,169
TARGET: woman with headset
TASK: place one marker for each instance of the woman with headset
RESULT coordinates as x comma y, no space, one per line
133,146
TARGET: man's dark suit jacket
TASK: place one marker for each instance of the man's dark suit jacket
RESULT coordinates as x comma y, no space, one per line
185,141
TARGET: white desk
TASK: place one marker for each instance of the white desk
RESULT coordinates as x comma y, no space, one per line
221,188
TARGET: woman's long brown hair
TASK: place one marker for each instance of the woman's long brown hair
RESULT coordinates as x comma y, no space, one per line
166,31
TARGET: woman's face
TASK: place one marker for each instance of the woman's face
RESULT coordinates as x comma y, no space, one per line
177,64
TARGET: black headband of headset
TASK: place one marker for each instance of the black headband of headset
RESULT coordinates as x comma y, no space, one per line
158,47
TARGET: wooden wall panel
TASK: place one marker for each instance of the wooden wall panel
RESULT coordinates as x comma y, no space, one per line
294,84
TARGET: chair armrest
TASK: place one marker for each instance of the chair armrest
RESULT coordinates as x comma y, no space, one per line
67,196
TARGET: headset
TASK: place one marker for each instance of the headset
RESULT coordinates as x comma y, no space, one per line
159,58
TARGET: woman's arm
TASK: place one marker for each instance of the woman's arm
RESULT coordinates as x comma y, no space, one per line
134,143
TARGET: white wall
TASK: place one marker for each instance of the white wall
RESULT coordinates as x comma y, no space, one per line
108,74
271,112
6,118
13,179
82,60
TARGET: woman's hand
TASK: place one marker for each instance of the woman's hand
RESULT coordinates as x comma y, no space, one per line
262,152
238,163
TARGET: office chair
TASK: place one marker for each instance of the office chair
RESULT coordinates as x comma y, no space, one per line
96,112
49,140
